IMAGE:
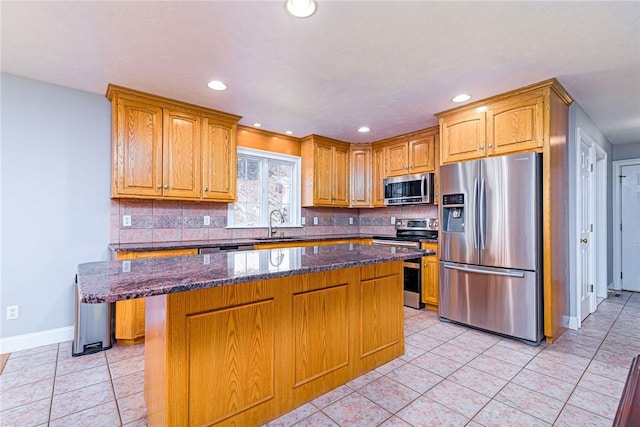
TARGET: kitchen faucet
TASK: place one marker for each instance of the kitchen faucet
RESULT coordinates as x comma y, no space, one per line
274,229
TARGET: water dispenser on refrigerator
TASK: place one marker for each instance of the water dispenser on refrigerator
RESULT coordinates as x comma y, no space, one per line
453,213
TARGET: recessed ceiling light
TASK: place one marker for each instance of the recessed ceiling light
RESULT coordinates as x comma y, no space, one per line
257,125
461,98
481,109
217,85
301,8
363,129
289,132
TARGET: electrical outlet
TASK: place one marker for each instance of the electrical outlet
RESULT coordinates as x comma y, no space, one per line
206,259
207,220
315,220
126,266
350,221
126,220
303,221
12,312
393,220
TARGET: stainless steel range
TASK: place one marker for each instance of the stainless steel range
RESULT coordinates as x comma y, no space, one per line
409,234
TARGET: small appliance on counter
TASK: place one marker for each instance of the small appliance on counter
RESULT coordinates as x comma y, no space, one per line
409,233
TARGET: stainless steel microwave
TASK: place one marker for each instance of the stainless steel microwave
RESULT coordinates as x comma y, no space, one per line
409,190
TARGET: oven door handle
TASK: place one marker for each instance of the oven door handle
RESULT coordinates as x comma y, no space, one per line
413,245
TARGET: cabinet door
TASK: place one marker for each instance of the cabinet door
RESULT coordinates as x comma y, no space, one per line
377,176
515,125
323,175
360,177
397,159
340,176
181,155
462,136
430,281
219,163
137,149
422,154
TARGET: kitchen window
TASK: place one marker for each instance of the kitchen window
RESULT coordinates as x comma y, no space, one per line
267,181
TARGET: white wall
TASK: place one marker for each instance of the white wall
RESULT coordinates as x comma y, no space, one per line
626,151
579,119
54,185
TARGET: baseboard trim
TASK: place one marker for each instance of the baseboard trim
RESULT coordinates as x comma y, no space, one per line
36,339
573,323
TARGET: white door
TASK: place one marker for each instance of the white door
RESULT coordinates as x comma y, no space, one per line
630,242
585,225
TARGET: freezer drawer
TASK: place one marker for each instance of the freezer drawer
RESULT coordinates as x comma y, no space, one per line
505,301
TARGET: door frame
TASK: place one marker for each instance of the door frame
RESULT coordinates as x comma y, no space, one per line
599,237
617,219
601,232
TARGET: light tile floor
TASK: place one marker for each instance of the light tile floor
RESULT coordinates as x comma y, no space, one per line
449,375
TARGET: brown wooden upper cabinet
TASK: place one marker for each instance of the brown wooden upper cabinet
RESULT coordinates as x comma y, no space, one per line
360,175
325,171
165,149
379,172
412,153
506,125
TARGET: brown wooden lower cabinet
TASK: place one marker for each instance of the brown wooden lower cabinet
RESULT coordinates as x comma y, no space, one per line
244,354
430,277
129,321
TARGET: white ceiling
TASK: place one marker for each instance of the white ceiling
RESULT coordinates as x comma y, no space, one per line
387,65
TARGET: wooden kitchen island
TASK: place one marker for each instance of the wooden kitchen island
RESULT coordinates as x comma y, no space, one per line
240,338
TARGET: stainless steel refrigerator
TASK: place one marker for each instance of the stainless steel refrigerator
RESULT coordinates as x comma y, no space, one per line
490,245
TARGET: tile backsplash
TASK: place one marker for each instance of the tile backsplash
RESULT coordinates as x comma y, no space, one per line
164,221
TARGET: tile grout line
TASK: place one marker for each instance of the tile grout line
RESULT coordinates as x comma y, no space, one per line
113,389
591,361
53,388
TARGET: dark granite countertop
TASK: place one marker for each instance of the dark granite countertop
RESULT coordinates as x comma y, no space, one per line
110,281
189,244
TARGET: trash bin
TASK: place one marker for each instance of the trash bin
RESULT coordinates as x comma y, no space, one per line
93,330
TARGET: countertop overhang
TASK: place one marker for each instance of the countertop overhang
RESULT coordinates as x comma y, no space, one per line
111,281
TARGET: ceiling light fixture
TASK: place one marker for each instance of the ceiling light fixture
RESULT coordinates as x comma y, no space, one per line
289,132
301,8
217,85
461,98
363,129
257,125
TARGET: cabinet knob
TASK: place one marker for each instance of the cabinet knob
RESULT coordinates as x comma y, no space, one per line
159,186
583,240
206,188
482,147
490,145
166,186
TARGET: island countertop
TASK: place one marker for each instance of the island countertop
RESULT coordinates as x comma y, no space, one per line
110,281
197,244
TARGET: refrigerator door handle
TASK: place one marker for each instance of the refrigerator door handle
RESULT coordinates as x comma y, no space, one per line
483,214
491,272
475,213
